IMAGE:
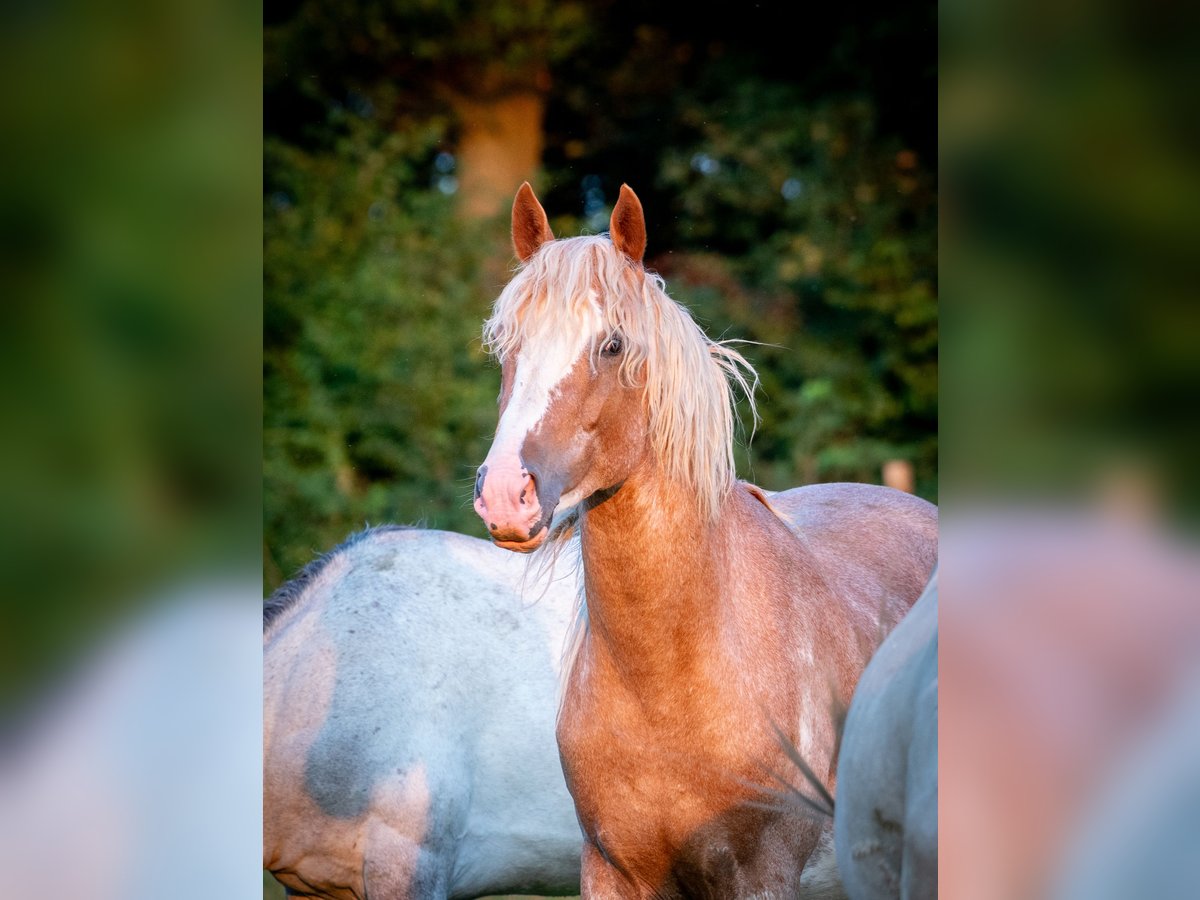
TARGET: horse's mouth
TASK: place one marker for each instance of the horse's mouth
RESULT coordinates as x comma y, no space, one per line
524,546
540,531
510,536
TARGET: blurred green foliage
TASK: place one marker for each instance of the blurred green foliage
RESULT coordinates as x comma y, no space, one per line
446,38
1070,152
837,278
794,208
377,396
129,235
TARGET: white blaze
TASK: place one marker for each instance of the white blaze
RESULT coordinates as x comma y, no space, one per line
539,371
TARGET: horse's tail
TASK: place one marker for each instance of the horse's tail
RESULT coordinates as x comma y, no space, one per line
817,799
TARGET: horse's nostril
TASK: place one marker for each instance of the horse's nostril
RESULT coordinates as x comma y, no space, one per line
528,489
479,476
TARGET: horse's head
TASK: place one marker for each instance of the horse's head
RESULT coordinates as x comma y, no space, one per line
573,416
603,373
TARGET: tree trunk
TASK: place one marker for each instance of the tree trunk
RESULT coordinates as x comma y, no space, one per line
500,145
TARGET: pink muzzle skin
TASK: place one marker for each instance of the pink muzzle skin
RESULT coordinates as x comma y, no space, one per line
507,501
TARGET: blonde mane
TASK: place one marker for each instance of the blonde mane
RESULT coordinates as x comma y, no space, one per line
585,284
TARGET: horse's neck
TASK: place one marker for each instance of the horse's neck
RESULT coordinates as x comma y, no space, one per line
657,579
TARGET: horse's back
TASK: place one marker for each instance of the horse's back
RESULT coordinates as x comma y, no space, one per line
409,691
885,821
875,547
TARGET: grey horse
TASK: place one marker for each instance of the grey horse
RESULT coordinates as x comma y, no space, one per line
885,819
410,687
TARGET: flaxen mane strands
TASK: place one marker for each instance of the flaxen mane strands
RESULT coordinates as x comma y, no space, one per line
586,285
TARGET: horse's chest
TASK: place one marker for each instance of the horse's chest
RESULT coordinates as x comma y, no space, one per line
645,790
678,823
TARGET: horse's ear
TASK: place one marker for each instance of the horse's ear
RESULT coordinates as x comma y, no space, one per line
530,228
627,228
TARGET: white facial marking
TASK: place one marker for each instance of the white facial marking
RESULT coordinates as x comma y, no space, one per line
539,372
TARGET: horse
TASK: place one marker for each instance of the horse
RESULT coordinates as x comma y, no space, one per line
716,617
1141,837
885,818
1068,735
128,776
408,727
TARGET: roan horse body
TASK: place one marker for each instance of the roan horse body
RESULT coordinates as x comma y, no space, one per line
410,681
718,620
885,822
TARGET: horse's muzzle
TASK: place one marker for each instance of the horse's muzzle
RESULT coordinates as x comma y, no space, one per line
506,498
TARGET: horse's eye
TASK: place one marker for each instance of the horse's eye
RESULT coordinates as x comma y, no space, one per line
611,347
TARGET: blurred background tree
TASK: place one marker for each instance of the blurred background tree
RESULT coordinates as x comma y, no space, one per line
785,162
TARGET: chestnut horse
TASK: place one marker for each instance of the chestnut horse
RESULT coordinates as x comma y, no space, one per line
718,618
